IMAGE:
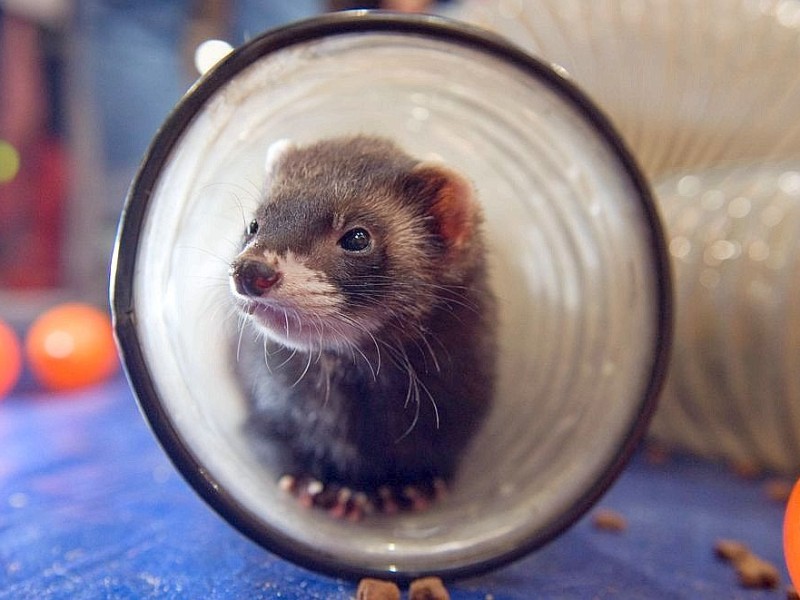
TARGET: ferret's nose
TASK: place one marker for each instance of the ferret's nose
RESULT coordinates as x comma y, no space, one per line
253,277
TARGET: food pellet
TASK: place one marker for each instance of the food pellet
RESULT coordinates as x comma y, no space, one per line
428,588
657,454
778,490
755,572
730,550
377,589
746,469
609,520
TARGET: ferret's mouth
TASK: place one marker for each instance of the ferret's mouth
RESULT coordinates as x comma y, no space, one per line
278,322
300,329
267,314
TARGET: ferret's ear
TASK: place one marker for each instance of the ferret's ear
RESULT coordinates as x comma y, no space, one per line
276,150
452,203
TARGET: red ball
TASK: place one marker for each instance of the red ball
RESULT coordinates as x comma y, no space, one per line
71,346
10,359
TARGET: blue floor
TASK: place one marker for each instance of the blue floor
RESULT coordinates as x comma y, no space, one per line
90,507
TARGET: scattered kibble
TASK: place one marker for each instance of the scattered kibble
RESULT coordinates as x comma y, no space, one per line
752,570
428,588
730,550
746,469
755,572
656,454
377,589
778,490
609,520
425,588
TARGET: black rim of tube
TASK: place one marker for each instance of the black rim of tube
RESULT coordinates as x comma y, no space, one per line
135,214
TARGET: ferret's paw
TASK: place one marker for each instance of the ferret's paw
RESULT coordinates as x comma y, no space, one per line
342,502
339,501
414,497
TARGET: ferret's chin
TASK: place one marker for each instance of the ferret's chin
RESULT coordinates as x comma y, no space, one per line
279,325
304,333
292,343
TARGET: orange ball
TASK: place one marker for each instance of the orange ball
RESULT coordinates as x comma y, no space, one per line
10,359
791,535
71,346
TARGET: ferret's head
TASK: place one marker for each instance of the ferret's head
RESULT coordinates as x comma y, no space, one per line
355,241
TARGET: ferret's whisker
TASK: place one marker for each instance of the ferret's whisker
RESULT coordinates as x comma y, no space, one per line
234,185
417,383
377,351
319,354
447,294
414,384
433,403
361,327
219,305
366,360
224,260
267,355
239,340
327,387
257,190
442,347
299,324
240,206
219,279
432,353
288,358
401,360
303,374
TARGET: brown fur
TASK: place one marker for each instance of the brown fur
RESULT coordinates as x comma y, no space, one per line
399,400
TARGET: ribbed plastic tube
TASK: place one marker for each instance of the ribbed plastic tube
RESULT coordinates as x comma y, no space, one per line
578,265
707,96
690,85
733,390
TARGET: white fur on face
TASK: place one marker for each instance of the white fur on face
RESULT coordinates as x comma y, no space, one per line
305,288
303,311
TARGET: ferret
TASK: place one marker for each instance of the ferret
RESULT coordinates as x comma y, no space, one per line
368,341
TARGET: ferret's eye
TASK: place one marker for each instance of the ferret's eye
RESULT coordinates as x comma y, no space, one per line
355,240
252,228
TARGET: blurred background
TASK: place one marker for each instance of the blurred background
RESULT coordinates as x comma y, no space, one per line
706,96
84,85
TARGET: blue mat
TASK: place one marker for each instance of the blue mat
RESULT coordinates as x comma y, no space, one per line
90,507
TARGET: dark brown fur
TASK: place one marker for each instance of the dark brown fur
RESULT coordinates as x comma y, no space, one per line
384,368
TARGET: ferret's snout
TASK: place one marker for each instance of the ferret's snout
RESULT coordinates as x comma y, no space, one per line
253,277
